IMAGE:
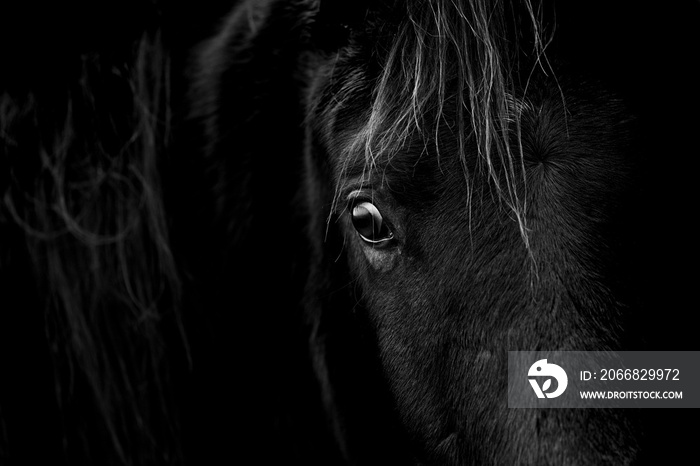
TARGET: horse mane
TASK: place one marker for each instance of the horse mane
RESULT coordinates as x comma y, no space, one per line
454,61
84,192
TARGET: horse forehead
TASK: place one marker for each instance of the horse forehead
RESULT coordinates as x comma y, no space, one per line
428,161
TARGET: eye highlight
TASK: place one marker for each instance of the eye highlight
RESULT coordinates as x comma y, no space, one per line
369,223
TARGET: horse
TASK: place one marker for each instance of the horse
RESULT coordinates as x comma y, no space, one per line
311,230
470,177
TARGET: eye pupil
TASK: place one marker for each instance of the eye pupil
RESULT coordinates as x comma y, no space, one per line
369,223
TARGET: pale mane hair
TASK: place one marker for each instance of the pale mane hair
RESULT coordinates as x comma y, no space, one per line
457,53
85,191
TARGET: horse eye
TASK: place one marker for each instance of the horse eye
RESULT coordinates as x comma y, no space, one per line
369,223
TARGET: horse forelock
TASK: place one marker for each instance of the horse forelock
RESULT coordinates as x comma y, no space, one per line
449,63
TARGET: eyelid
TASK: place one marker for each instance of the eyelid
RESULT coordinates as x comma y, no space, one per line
378,241
360,193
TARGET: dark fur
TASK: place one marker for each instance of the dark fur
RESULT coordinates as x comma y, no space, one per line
404,351
182,283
